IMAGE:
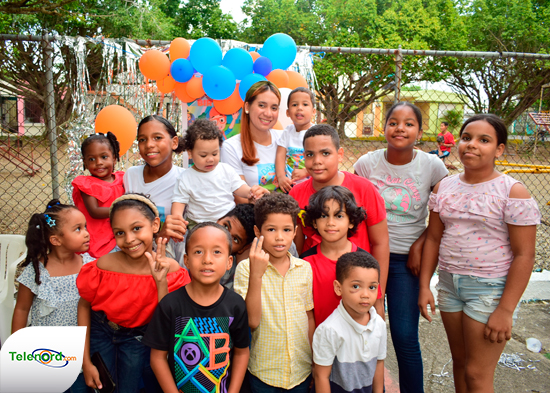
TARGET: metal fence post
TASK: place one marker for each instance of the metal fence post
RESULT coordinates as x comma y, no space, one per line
50,111
398,67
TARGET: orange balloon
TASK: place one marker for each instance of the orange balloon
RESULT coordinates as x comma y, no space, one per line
254,55
279,77
296,80
154,64
166,85
231,104
119,121
194,87
181,93
179,49
278,126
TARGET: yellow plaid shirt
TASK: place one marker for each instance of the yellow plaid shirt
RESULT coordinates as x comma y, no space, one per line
280,353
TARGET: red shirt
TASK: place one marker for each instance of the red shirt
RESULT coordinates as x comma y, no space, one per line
447,138
128,300
366,196
102,239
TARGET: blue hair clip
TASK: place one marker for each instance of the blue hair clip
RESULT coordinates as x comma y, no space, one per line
56,203
50,221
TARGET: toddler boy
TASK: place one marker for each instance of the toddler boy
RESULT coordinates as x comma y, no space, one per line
349,348
199,334
277,288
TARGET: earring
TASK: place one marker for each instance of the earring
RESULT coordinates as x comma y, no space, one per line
246,112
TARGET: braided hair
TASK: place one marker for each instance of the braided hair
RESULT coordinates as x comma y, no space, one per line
109,139
41,227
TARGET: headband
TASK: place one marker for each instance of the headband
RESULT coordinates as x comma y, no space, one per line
136,197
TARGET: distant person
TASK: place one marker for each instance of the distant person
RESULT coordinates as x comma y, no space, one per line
481,233
444,147
349,348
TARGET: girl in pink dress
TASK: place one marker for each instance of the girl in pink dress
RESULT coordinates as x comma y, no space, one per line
93,195
482,233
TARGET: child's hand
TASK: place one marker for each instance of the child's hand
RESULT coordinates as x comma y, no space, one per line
285,184
174,227
256,192
499,326
159,263
91,375
259,259
299,174
426,297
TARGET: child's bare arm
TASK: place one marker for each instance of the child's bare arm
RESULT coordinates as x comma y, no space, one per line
311,325
378,381
238,368
245,191
159,364
380,250
523,242
299,239
259,260
321,375
94,210
285,183
91,375
25,298
430,253
177,209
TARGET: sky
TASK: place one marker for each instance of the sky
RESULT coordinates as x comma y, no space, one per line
233,7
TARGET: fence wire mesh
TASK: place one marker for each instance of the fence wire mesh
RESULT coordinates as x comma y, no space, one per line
52,89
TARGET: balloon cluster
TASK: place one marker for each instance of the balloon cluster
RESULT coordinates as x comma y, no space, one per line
201,69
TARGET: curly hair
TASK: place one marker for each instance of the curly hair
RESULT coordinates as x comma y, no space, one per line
167,126
245,214
345,200
355,259
205,224
109,139
201,129
275,203
41,227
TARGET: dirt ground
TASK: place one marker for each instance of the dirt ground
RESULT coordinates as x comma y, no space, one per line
533,321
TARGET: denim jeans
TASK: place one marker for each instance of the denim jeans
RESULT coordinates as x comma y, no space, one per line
79,386
402,297
122,351
258,386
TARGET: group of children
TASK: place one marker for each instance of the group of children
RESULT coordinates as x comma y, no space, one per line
152,299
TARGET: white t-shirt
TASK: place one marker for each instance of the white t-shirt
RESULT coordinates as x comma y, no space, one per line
209,195
293,142
352,349
405,190
160,192
263,172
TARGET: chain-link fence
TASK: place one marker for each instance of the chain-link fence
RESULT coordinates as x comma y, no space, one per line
51,89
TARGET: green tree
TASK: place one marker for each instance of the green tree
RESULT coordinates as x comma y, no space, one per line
509,86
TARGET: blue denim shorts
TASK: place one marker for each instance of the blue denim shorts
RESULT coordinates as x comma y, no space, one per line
477,297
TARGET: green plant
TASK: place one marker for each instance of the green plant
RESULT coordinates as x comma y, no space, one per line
454,117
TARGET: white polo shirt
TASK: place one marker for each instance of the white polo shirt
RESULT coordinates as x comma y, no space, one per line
351,348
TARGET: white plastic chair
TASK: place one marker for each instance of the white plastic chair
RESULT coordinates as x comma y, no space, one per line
12,252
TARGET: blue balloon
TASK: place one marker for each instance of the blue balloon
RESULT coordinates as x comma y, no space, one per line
239,62
181,70
205,53
218,82
262,66
247,82
280,49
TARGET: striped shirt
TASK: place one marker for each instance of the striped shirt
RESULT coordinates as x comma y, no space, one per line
280,353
